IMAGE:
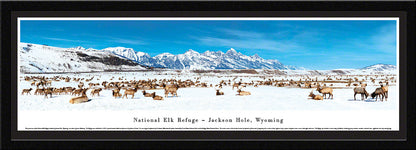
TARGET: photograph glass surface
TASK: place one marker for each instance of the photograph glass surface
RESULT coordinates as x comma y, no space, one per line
208,74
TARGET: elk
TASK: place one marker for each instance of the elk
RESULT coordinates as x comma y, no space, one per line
236,85
39,84
156,97
147,94
27,91
48,83
130,92
96,91
48,91
38,91
325,90
362,91
385,90
80,99
378,93
80,85
219,92
315,97
68,90
76,92
364,85
58,91
116,93
242,93
171,88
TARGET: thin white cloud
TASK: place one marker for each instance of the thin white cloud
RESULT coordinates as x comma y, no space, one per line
248,40
384,40
122,40
127,41
60,39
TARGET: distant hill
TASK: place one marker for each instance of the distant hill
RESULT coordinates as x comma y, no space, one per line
42,59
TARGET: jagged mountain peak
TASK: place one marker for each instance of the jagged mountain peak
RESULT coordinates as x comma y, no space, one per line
190,51
208,52
119,48
79,48
191,59
256,56
231,51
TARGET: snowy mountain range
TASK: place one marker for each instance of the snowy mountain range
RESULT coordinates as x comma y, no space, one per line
200,61
369,70
43,58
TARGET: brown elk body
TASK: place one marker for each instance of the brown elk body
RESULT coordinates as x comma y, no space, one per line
116,93
48,83
156,97
172,89
236,85
219,92
378,93
47,92
130,92
76,92
385,90
96,91
147,94
80,85
58,91
69,90
80,99
39,91
27,91
242,93
362,91
315,97
325,90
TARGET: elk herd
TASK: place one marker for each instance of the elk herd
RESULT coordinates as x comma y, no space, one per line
43,86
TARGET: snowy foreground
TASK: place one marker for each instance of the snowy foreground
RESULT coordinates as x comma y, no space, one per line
264,101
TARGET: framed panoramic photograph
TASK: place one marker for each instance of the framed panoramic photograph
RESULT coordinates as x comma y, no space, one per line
273,74
191,75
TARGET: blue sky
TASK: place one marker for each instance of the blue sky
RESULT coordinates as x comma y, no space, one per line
313,44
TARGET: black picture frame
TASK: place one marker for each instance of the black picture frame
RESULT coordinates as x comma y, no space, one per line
403,139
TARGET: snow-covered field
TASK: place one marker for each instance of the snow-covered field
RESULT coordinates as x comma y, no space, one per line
265,100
